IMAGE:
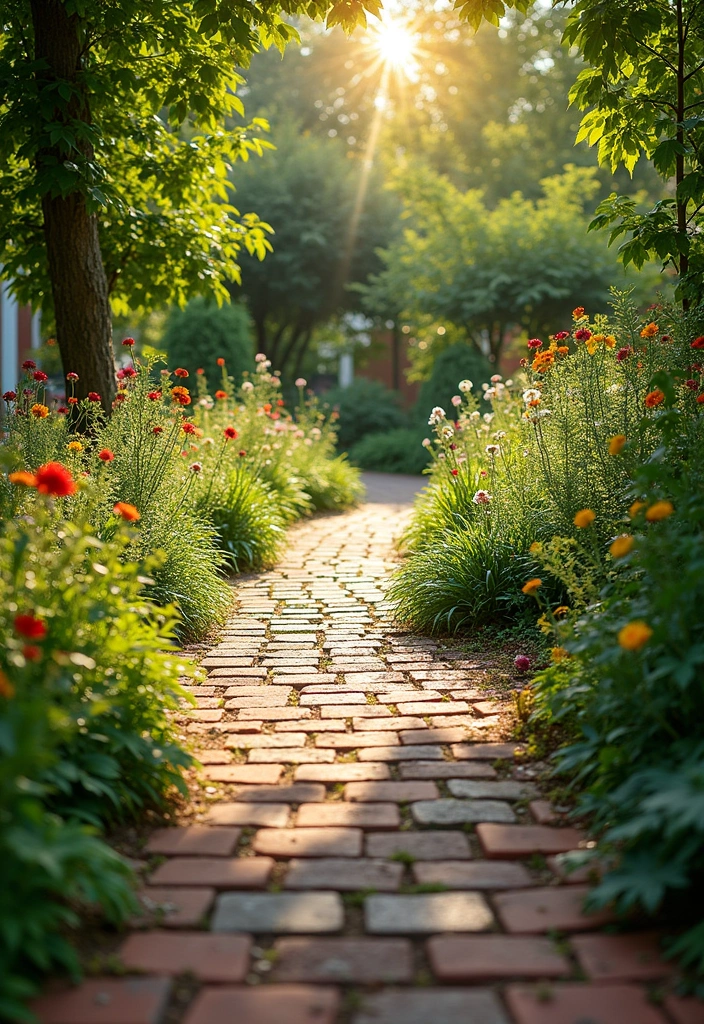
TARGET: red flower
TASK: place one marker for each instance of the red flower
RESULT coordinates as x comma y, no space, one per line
180,372
72,401
700,399
93,396
128,342
578,312
187,427
128,512
72,376
40,376
157,430
281,402
623,353
55,479
62,410
654,398
32,652
10,396
583,334
561,335
230,433
200,371
242,453
691,384
154,396
454,472
697,343
120,374
120,397
29,627
221,361
535,343
29,364
267,407
105,455
220,395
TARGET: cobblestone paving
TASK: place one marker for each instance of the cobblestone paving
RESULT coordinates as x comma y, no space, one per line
370,851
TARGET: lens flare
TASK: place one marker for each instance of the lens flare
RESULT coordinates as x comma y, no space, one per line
396,44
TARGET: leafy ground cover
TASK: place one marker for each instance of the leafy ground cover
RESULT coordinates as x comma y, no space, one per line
116,537
579,485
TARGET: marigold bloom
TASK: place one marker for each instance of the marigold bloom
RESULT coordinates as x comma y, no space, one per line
633,636
23,478
72,401
55,479
649,331
578,313
183,399
621,546
616,444
531,586
93,396
220,361
220,395
535,548
660,510
654,398
635,508
7,690
105,455
697,343
585,517
610,341
128,342
39,411
543,361
230,433
30,627
561,610
187,427
559,654
75,446
562,350
180,372
128,512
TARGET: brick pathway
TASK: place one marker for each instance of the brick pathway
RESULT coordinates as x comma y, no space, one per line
366,850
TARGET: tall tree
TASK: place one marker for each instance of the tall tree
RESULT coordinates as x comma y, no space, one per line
87,88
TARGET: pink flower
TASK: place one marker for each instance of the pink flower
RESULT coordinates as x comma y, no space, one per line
535,343
456,400
522,662
300,382
72,376
623,353
481,498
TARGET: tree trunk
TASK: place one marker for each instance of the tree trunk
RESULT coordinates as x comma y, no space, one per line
78,282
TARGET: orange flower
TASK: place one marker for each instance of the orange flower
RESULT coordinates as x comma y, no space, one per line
543,361
105,455
39,411
578,313
660,510
220,395
584,518
7,690
610,341
128,512
649,331
635,508
633,636
531,586
616,444
559,654
220,361
23,479
621,546
180,372
654,398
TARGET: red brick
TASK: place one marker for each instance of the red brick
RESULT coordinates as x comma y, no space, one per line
274,815
426,845
488,957
344,874
215,958
401,753
237,673
225,661
355,711
332,699
588,873
478,874
446,770
292,755
684,1010
543,812
345,814
634,957
256,690
487,751
396,724
274,714
308,842
205,716
508,841
548,909
576,1004
346,772
262,700
209,757
248,774
174,908
194,840
397,792
353,740
271,1004
106,1001
297,793
218,872
364,961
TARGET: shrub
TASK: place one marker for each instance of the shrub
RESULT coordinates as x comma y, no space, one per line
458,362
196,336
396,451
365,407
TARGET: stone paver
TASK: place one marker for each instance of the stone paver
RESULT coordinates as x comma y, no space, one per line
278,913
358,961
427,914
346,814
552,909
309,842
294,1004
272,814
341,773
419,845
632,957
398,792
507,841
432,1006
344,875
457,812
478,874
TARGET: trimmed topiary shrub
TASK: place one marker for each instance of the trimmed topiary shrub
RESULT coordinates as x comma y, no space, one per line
393,451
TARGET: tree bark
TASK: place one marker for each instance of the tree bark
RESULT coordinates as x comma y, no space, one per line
78,282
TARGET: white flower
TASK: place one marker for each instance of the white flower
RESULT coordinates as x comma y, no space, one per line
465,385
474,415
437,415
531,395
484,387
509,383
542,413
489,394
315,432
456,400
248,386
208,441
488,417
496,378
300,382
260,357
426,442
441,455
448,432
614,389
492,450
499,434
481,498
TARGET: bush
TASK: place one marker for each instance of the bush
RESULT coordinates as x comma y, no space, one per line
395,451
201,333
456,363
365,407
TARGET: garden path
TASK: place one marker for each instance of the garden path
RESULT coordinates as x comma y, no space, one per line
368,849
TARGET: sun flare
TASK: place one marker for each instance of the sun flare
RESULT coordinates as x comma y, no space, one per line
396,44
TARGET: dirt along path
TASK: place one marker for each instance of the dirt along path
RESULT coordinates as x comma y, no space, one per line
368,848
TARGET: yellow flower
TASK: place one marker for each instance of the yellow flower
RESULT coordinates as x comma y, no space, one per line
597,338
535,548
616,444
610,341
561,610
635,508
633,636
39,411
559,654
544,625
660,510
584,518
621,545
75,446
592,345
650,331
531,586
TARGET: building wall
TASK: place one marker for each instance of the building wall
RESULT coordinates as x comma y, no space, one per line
19,333
388,363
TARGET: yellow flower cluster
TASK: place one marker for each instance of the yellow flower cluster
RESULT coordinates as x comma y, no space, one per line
596,340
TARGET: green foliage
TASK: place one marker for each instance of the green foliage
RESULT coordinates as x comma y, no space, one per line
197,336
392,451
365,407
250,527
453,364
